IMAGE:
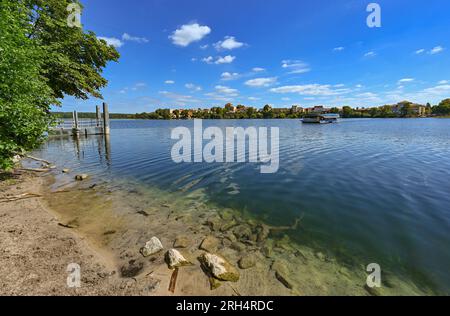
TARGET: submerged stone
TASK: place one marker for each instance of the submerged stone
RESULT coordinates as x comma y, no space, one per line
81,177
238,246
282,274
263,232
242,232
181,242
152,247
210,244
247,262
219,267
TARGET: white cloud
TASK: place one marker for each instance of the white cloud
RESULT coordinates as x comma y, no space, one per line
368,95
226,90
112,41
261,82
420,51
230,76
340,85
204,46
309,90
405,80
208,60
443,82
370,54
128,37
254,98
189,33
179,99
436,50
286,99
219,60
295,66
438,90
169,82
223,93
258,69
193,87
139,85
229,43
359,86
338,49
225,60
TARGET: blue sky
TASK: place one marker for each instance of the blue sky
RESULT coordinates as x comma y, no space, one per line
203,53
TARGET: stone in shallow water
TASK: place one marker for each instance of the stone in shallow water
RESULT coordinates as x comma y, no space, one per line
238,246
247,262
81,177
210,244
263,232
175,259
320,256
242,232
219,267
152,247
65,170
181,242
214,223
282,274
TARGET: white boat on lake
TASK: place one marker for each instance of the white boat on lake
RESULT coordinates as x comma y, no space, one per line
321,118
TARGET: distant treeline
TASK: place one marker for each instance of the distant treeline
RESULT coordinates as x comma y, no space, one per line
87,115
400,110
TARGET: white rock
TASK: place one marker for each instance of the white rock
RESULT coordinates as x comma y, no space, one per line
152,247
175,259
220,268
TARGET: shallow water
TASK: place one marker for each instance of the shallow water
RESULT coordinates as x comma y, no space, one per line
366,190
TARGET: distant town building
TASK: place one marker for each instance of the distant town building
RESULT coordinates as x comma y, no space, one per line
416,109
296,109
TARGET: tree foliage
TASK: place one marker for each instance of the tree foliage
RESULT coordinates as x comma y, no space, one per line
42,59
24,94
74,59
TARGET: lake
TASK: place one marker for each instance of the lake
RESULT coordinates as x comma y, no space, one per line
366,190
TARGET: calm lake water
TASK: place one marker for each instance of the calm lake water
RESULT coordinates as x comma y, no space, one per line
368,191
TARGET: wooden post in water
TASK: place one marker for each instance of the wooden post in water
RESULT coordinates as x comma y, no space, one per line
97,115
75,129
105,119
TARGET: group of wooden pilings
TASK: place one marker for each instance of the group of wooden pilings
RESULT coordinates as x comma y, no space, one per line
101,126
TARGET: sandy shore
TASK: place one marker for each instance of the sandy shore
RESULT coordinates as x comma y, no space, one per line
35,250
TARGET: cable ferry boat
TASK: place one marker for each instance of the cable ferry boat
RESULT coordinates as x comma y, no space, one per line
321,118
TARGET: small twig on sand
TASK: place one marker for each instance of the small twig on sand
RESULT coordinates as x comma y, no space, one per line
20,197
38,159
173,281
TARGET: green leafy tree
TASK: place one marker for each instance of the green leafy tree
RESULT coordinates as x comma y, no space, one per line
406,110
347,111
74,58
42,59
267,112
334,110
443,108
25,97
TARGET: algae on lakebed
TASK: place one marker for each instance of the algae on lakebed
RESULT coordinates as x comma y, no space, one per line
121,217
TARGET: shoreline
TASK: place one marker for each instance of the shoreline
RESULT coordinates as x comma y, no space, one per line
36,250
103,230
